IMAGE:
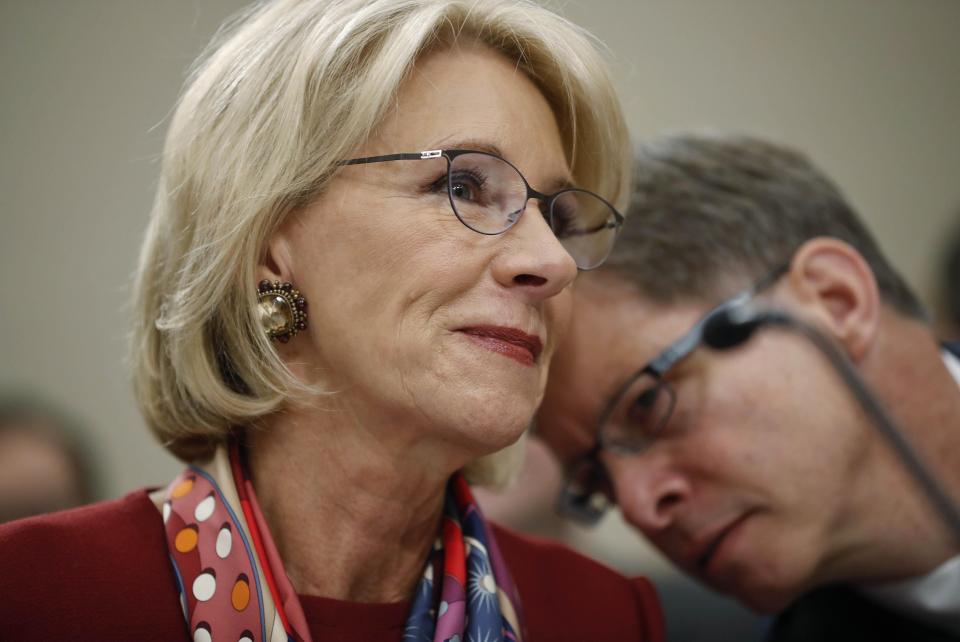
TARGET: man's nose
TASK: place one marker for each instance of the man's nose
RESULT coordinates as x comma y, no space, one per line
650,492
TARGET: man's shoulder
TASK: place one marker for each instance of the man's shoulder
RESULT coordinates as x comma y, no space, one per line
567,595
836,613
95,570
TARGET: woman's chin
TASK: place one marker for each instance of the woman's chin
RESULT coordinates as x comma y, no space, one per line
493,427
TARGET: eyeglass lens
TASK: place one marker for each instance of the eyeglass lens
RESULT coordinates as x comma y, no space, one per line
638,414
489,195
587,493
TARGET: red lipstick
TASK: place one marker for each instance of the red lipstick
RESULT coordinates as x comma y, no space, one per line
510,342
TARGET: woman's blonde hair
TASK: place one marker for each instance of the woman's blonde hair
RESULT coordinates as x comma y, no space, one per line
285,91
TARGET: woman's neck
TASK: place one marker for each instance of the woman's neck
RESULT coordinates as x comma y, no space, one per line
352,514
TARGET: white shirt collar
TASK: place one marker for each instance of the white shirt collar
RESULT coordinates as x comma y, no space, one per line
952,363
934,597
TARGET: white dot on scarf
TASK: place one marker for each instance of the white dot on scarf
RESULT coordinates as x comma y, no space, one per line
166,511
443,607
202,635
205,508
224,541
204,586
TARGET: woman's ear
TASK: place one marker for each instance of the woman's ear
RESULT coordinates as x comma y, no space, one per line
835,284
277,262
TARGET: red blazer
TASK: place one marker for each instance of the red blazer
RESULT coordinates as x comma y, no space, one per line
102,572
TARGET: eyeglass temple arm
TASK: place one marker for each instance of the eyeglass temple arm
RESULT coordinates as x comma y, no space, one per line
432,153
689,342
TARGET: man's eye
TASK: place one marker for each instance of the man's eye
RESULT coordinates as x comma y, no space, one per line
644,403
647,399
643,413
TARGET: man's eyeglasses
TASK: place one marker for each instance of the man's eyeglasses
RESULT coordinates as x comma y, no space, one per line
637,414
488,194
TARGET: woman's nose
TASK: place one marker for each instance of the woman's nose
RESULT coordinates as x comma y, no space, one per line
531,258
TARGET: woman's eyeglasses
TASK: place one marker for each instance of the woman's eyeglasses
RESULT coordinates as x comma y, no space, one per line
488,194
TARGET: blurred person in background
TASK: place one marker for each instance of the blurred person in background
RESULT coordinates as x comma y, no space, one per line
45,465
352,284
754,469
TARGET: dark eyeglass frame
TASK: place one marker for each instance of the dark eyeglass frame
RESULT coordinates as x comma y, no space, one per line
547,201
586,502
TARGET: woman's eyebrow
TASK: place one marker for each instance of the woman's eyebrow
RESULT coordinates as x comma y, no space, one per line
558,184
473,144
479,145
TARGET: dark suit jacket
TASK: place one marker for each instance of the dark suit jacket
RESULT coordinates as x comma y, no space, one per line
835,614
102,572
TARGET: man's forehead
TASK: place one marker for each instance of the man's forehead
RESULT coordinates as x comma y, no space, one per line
617,315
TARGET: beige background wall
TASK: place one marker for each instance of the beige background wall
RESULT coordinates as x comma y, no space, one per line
870,88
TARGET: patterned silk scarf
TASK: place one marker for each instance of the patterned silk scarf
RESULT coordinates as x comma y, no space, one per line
233,587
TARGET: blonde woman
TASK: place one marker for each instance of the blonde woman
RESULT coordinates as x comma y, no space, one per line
352,284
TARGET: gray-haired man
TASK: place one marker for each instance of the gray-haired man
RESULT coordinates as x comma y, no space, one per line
754,469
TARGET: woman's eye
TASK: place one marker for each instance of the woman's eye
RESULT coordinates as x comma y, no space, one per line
462,191
468,186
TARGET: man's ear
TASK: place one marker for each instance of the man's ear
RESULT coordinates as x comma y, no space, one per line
835,284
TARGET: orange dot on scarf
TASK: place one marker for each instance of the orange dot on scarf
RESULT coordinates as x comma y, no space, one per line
182,488
186,539
240,596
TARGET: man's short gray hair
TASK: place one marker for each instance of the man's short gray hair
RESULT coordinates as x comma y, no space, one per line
708,209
